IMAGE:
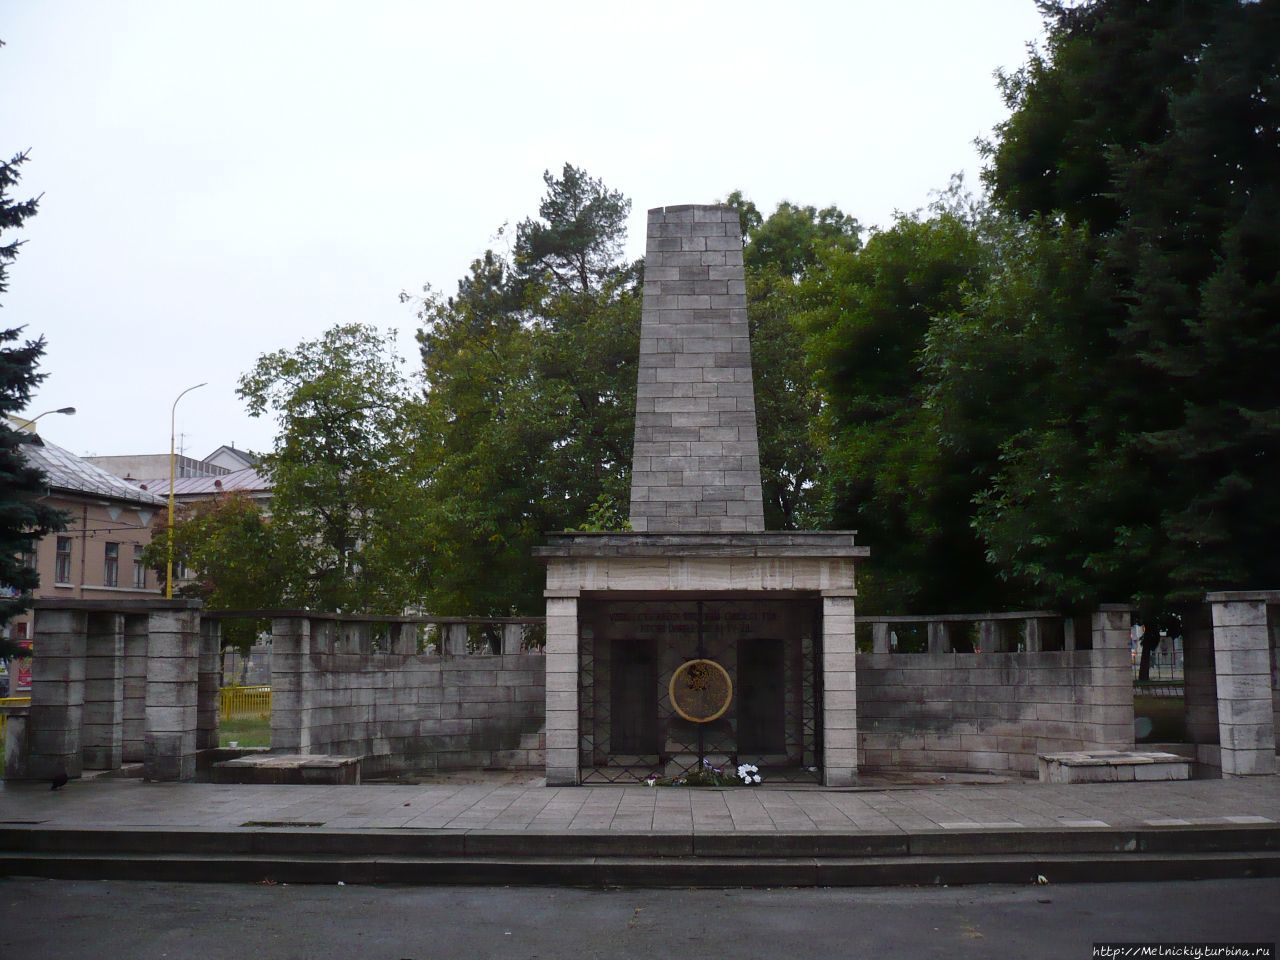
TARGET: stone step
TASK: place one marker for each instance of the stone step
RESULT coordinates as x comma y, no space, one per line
289,838
645,872
288,768
1108,766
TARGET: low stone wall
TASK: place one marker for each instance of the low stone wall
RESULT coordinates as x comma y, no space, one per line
403,711
990,712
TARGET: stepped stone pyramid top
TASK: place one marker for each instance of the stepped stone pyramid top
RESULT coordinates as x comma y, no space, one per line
696,461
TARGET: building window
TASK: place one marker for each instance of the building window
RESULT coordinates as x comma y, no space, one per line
111,566
139,569
62,564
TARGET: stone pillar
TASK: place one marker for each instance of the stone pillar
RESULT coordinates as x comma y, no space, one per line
403,638
1242,661
57,694
1109,635
1200,679
512,638
134,722
562,689
455,642
879,638
208,684
696,465
354,637
173,676
939,636
1033,640
839,692
290,661
17,752
102,730
1275,671
990,638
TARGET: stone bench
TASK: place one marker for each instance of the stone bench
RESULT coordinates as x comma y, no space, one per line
1105,766
289,768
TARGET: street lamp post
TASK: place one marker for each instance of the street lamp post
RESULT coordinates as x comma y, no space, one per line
173,413
69,411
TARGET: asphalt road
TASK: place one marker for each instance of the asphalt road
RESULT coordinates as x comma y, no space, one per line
66,920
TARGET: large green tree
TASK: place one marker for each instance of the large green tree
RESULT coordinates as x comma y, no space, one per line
1153,130
346,491
868,313
530,375
230,551
778,252
23,518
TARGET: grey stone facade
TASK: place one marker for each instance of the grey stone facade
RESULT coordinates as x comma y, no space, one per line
334,694
696,466
119,682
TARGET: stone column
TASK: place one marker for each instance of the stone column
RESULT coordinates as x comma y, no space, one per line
16,749
1033,640
57,694
208,684
562,688
102,732
512,638
1242,661
839,692
696,464
133,745
354,637
990,637
173,676
939,636
1109,634
290,661
879,638
403,638
455,643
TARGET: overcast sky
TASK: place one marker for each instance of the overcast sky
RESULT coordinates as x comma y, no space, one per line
223,179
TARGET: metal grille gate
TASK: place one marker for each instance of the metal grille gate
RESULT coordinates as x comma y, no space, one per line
629,728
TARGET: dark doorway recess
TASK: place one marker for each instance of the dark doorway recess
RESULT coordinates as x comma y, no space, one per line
633,704
762,701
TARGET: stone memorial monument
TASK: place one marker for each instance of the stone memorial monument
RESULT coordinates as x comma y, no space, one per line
698,638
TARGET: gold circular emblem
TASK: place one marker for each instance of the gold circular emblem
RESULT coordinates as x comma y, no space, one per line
700,690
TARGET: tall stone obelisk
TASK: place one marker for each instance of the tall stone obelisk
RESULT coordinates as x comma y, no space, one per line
696,462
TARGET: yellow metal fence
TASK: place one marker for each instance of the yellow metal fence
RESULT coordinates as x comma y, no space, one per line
238,703
234,703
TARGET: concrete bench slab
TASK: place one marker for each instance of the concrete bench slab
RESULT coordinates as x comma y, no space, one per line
1104,766
288,768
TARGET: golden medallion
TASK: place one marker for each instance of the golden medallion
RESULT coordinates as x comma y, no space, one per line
700,690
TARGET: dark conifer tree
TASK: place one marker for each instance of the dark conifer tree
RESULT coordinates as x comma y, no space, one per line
23,518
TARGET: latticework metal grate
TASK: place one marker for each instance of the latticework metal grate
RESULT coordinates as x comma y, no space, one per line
630,728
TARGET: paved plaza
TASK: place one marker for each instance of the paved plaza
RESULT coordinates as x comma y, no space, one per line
514,807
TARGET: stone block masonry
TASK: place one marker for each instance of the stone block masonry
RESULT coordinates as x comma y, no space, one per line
404,711
696,465
990,712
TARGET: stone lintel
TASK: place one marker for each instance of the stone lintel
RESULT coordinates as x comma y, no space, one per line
781,544
1243,596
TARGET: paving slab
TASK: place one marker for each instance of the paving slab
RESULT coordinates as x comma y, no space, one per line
124,804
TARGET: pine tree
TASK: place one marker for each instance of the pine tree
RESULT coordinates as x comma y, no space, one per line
23,519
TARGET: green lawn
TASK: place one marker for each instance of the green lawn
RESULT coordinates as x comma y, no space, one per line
1165,714
253,732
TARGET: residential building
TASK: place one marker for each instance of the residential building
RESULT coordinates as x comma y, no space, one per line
231,458
247,481
99,555
139,466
